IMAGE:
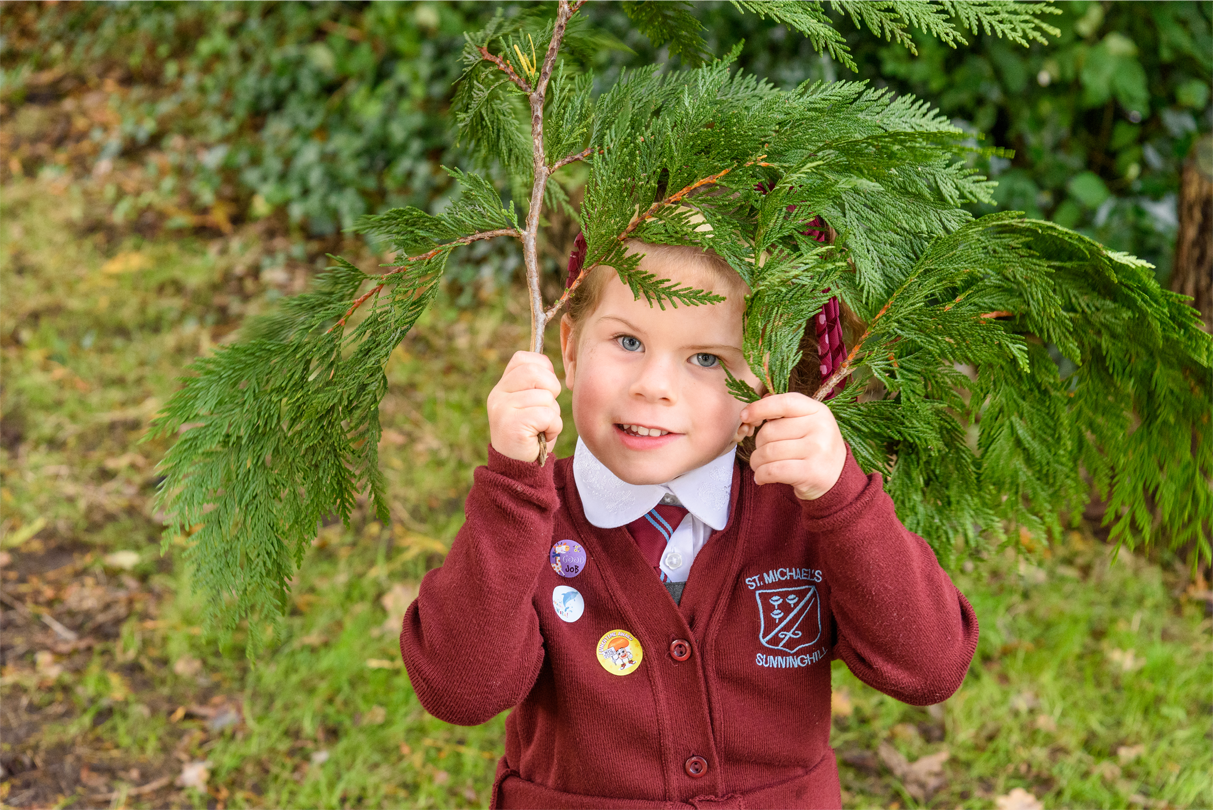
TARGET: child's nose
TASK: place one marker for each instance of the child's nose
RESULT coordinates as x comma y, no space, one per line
656,381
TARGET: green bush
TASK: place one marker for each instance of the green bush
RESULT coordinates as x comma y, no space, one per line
327,111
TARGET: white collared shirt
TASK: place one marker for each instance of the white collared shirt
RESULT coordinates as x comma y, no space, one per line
610,502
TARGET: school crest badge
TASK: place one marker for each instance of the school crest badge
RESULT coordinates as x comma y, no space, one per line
791,617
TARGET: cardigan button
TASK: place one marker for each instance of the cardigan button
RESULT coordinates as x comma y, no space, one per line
680,650
695,767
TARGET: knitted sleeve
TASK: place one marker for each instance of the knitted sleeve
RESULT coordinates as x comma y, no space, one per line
903,627
470,641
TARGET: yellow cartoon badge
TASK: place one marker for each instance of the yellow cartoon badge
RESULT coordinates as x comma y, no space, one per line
619,652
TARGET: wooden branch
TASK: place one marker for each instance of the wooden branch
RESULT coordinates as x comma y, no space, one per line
409,262
150,787
564,161
505,66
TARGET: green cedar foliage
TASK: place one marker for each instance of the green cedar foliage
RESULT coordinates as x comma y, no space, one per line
953,389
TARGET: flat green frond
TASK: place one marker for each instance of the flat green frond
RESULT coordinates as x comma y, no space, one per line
280,432
671,24
809,20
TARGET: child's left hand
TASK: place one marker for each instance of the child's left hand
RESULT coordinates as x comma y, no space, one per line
799,445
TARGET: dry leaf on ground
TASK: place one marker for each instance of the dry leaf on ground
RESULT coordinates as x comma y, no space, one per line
395,602
125,560
1128,753
1126,660
840,703
1018,799
44,665
920,778
187,666
195,775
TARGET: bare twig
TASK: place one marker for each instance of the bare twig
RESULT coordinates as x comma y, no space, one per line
412,260
16,605
582,155
530,253
150,787
505,66
63,632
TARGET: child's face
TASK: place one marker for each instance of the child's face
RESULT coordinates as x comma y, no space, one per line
635,365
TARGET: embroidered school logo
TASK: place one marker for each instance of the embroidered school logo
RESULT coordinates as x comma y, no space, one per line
791,617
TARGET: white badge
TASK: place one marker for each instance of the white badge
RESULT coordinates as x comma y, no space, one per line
568,603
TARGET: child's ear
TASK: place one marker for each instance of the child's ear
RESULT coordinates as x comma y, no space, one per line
568,350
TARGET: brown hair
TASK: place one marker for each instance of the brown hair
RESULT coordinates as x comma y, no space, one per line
584,299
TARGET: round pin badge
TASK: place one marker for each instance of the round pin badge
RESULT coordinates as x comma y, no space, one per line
567,558
619,652
568,603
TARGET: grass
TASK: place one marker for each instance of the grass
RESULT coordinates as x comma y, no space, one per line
1092,687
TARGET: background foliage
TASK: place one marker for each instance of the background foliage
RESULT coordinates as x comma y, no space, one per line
323,112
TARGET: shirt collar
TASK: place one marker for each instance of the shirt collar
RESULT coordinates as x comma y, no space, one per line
610,502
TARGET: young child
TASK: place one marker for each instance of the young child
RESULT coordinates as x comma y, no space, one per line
660,615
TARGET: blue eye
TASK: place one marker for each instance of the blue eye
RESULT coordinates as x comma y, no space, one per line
705,360
630,344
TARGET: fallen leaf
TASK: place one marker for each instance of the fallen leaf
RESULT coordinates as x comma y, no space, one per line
18,537
1045,722
128,261
1127,660
125,460
1018,799
381,663
840,703
1108,771
6,559
91,779
119,688
1128,753
441,777
920,778
374,717
405,749
176,716
396,601
126,560
1024,701
224,717
187,666
320,757
195,775
44,665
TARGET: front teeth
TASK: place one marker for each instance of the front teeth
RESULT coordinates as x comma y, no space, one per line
638,430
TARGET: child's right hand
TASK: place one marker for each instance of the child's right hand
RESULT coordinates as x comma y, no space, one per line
522,405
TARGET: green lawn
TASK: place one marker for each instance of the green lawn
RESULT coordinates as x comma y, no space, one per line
1092,687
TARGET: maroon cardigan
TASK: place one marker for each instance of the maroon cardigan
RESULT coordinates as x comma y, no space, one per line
743,720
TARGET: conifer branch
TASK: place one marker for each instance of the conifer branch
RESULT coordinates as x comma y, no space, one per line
564,161
678,196
424,257
507,68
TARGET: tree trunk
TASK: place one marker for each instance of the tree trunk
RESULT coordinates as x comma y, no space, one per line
1193,271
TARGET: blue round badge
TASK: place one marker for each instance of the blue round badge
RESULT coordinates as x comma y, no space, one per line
567,558
568,603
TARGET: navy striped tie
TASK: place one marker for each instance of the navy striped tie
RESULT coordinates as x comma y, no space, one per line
652,531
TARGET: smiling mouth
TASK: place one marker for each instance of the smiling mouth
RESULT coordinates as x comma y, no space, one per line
641,430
